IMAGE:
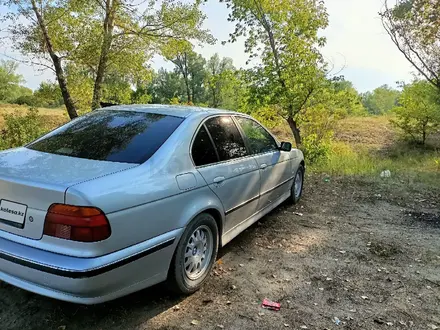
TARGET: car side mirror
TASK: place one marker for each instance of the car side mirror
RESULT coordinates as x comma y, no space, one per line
286,146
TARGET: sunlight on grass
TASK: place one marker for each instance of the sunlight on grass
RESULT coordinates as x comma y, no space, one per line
51,117
403,161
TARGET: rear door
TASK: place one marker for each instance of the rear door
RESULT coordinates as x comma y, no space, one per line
220,155
274,165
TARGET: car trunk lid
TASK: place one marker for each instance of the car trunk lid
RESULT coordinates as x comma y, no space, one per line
31,181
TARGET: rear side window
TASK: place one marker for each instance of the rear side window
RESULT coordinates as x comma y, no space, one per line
259,140
226,137
110,135
203,151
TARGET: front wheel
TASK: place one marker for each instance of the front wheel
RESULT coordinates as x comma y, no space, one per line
297,186
195,255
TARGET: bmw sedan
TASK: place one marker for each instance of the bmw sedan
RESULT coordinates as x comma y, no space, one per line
129,196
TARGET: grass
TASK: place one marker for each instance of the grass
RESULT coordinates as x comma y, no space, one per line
50,117
366,146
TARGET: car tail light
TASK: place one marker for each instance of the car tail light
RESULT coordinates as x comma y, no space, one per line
76,223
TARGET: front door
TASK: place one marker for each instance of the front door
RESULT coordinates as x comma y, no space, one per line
221,157
274,165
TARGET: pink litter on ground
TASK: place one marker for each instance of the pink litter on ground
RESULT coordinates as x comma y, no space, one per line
271,305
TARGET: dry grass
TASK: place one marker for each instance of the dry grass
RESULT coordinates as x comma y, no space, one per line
51,117
370,145
366,132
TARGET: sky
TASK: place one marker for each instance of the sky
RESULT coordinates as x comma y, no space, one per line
357,44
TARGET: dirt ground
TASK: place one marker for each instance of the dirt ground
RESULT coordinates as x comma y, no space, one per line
354,254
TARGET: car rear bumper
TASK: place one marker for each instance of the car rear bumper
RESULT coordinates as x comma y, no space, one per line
88,280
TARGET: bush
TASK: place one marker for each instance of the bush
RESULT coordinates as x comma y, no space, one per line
317,125
315,149
419,113
21,129
29,100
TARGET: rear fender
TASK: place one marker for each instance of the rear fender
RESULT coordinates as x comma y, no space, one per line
206,202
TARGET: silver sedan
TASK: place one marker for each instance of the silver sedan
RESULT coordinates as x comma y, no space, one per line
129,196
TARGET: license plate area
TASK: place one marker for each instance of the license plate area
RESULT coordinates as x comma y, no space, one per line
13,214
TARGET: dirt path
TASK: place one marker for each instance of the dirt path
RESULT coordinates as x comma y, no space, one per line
366,253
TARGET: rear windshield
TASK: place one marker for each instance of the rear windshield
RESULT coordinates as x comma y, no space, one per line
111,135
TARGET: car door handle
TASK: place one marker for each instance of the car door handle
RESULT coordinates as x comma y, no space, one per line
263,166
219,179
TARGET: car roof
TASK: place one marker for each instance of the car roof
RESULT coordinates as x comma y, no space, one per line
169,110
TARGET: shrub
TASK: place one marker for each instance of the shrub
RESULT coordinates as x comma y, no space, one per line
419,113
315,149
29,100
21,129
317,125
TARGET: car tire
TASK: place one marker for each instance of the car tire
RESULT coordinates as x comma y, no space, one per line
297,186
191,263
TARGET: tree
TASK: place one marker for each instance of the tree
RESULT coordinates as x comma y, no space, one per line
29,24
414,27
346,97
124,23
283,34
49,94
419,112
191,66
102,36
166,86
219,75
10,88
381,100
116,89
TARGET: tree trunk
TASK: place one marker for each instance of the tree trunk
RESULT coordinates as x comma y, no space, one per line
97,88
68,102
424,133
105,49
214,99
295,130
193,92
188,90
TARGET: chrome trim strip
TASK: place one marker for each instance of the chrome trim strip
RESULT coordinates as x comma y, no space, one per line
85,273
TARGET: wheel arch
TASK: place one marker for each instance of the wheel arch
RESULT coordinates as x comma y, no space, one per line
219,220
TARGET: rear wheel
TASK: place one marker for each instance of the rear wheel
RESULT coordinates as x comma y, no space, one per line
297,186
195,255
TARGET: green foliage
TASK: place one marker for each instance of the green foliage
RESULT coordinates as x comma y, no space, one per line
268,116
49,95
29,100
335,100
116,89
404,162
221,81
347,98
99,38
284,36
165,86
414,27
381,100
190,66
419,112
81,87
315,148
10,88
21,129
317,124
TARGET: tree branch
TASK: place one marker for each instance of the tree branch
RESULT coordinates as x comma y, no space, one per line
29,62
